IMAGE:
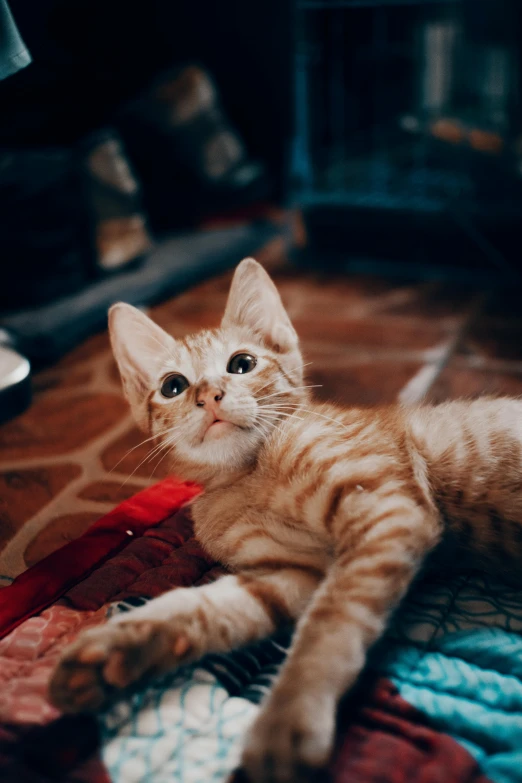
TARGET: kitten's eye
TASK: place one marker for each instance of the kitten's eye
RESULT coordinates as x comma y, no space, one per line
174,385
241,363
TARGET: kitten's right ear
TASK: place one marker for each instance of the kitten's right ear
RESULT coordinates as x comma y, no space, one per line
140,347
254,302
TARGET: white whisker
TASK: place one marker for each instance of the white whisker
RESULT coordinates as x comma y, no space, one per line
156,435
149,456
289,391
276,405
288,371
276,414
167,447
259,428
328,418
298,407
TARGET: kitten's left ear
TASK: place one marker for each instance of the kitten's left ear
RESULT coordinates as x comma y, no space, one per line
140,347
254,303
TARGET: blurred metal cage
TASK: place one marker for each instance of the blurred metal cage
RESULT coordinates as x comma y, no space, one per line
412,107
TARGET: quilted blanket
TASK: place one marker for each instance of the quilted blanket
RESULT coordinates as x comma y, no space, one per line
440,701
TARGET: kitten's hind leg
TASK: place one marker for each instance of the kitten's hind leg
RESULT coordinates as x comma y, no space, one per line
176,628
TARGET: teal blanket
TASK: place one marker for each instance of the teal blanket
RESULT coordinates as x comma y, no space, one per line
455,653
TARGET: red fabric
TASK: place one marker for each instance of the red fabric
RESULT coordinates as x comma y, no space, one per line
383,739
41,585
165,557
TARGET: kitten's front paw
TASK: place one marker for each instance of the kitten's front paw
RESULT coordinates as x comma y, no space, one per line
290,742
103,660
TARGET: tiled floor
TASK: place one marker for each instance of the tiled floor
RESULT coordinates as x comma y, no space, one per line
74,454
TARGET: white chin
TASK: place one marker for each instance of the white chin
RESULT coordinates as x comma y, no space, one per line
224,445
219,429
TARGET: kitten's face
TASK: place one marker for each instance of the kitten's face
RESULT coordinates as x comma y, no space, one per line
213,397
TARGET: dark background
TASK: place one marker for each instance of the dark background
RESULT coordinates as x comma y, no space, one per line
90,56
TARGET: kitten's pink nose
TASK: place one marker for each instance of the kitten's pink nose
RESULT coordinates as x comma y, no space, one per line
208,396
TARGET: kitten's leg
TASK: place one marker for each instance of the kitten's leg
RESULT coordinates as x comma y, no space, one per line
177,628
294,731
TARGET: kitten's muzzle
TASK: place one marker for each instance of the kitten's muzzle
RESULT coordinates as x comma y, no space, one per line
209,396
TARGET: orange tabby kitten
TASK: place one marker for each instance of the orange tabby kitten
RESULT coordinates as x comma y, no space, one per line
322,514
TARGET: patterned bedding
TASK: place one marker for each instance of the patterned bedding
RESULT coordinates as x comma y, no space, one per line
440,701
454,652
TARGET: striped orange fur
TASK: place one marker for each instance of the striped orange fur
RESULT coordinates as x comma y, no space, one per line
323,515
